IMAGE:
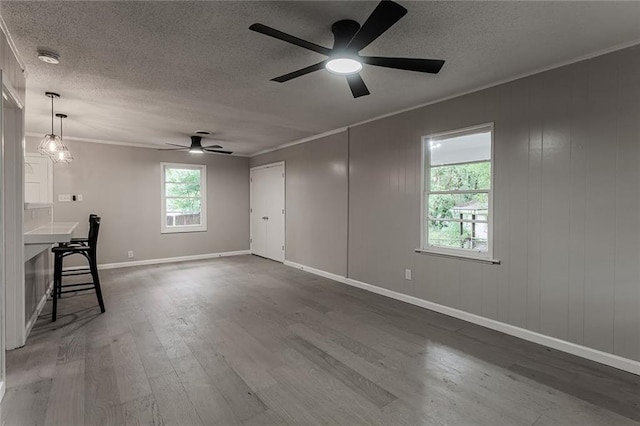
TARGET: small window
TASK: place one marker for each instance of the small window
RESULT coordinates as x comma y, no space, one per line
457,195
184,198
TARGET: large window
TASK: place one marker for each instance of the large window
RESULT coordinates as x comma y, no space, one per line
184,198
457,195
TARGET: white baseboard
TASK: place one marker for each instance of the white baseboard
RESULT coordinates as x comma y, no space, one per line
38,311
164,260
315,271
562,345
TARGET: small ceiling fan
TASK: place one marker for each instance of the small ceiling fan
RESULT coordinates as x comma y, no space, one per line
196,147
349,39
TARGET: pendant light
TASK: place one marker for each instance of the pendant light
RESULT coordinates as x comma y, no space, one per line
63,155
51,143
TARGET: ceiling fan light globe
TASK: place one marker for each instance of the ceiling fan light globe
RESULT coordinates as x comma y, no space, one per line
343,66
194,150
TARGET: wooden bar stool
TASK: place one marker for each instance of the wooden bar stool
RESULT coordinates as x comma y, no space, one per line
86,247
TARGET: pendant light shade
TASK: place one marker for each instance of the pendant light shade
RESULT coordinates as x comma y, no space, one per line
51,143
63,155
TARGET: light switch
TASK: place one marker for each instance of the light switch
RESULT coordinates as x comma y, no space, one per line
64,198
79,197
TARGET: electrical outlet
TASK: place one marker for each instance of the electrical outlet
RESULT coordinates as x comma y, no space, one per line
407,274
64,198
130,254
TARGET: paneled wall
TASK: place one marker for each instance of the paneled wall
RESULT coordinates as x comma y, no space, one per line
316,202
567,203
122,185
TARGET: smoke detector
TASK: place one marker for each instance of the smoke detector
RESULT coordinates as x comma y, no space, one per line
48,56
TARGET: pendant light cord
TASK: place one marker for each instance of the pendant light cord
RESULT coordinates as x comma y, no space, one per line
52,116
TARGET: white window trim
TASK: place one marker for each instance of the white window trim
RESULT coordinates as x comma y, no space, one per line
164,229
448,251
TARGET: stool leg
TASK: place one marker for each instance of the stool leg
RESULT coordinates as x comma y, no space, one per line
59,286
96,281
57,272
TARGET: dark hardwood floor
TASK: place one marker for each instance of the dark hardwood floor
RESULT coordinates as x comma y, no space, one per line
243,340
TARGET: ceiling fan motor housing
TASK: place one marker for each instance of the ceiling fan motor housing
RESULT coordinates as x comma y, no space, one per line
196,141
343,31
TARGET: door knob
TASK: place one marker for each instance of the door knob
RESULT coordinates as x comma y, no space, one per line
265,217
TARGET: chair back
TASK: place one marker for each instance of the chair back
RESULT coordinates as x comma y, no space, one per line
94,228
91,216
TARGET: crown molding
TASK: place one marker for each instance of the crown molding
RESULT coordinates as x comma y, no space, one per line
12,46
299,141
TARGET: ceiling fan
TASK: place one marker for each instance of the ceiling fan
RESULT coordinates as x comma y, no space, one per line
196,147
349,39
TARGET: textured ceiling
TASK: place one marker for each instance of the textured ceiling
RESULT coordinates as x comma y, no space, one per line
153,72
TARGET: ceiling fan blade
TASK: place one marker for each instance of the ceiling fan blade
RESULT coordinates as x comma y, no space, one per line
300,72
174,149
217,151
272,32
212,146
381,19
174,144
357,86
432,66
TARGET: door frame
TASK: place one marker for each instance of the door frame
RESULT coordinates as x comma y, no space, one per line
284,199
11,222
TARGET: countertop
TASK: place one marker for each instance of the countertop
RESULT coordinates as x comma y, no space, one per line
41,238
54,232
31,206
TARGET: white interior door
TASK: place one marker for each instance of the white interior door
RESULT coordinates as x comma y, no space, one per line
274,212
268,211
38,179
258,224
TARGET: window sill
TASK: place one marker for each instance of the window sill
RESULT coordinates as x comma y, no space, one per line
459,256
182,230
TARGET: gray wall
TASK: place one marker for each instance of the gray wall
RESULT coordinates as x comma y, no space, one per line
122,185
316,202
567,202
